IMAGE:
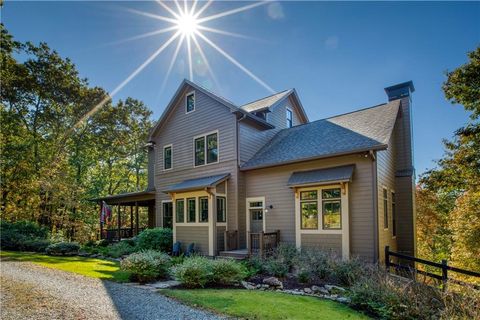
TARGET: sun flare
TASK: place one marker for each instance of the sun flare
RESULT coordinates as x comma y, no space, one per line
187,24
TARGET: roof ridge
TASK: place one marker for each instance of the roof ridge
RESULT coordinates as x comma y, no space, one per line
286,90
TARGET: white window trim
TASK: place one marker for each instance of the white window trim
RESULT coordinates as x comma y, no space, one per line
191,195
286,116
174,201
391,210
383,213
218,148
247,208
194,102
174,216
171,157
344,211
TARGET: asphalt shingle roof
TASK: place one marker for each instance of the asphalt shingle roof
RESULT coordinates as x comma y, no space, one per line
198,183
364,129
343,173
265,102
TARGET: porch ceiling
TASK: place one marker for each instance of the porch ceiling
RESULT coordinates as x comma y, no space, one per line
140,198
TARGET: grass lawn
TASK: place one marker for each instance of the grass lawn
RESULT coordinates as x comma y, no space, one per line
93,268
264,305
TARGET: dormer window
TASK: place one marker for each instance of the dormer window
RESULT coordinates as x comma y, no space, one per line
289,118
190,102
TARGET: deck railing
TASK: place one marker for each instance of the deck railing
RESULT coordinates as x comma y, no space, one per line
410,269
231,240
263,242
125,233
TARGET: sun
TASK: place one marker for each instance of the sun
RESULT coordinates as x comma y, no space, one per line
187,24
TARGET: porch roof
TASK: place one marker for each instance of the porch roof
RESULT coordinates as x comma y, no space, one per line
321,176
142,198
198,183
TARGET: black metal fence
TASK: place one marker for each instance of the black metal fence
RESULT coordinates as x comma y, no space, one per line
409,267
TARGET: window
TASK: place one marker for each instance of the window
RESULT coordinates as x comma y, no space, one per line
199,151
394,216
203,209
257,215
331,208
289,118
206,145
167,157
190,102
385,208
191,212
180,211
212,148
261,114
221,209
309,209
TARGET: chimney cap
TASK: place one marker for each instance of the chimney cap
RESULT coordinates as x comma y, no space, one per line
400,90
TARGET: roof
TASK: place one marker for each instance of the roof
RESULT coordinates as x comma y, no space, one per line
266,102
337,174
198,183
225,102
362,130
140,197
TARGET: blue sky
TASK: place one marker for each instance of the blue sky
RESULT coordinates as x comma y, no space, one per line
338,55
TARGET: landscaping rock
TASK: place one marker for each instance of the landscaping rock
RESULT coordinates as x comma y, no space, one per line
272,281
248,285
343,300
307,290
165,284
321,290
332,287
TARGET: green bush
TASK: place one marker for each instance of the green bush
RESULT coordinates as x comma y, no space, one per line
347,272
276,267
146,266
63,249
38,245
119,249
194,272
227,272
315,262
160,239
18,235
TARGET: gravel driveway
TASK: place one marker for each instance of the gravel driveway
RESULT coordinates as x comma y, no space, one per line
33,292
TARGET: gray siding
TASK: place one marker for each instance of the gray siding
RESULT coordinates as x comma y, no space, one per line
272,183
193,234
325,242
180,130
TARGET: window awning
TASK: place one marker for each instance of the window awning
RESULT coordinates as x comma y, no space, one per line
321,176
197,184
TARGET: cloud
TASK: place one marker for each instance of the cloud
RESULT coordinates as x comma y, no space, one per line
275,11
332,42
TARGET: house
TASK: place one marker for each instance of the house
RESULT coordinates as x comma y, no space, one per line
229,177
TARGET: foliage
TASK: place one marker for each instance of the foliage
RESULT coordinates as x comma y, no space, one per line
120,249
463,84
276,267
388,297
22,235
315,263
93,268
146,266
63,249
347,272
156,239
448,196
255,304
194,272
63,141
226,271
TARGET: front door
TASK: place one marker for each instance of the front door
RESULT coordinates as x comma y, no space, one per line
256,220
167,215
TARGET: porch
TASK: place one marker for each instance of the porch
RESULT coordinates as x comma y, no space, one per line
131,214
259,243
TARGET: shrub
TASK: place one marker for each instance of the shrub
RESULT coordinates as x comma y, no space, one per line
102,243
347,272
119,249
194,272
63,249
227,271
287,254
14,235
146,266
38,245
315,262
160,239
304,276
276,267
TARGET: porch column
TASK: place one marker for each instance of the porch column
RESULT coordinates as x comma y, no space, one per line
119,222
136,218
131,221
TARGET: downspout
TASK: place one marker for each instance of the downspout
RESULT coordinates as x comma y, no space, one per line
375,205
